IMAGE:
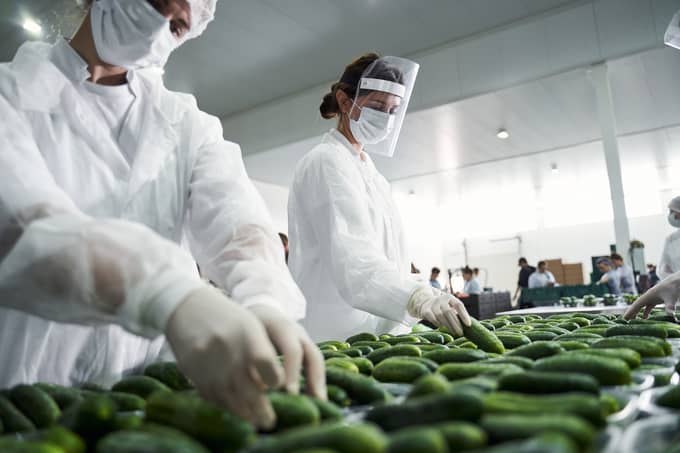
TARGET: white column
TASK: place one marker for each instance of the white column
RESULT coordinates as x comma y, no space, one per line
607,119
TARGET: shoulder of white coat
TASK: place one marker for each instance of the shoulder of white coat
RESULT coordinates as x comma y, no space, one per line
24,74
322,158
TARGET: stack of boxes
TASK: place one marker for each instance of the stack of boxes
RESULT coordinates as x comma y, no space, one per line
566,274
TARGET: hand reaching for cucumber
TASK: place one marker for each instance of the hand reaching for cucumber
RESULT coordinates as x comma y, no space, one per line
226,352
666,292
440,309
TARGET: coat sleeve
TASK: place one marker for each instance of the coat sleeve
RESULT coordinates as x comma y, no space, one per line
60,264
666,265
335,201
230,231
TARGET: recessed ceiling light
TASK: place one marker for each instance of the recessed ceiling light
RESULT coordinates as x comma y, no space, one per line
554,168
411,193
502,134
32,26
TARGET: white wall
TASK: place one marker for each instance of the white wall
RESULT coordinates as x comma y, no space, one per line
276,199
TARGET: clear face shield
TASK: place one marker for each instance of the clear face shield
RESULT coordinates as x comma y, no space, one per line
672,36
381,102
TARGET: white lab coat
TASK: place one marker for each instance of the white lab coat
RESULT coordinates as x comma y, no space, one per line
347,248
670,257
541,279
626,278
88,239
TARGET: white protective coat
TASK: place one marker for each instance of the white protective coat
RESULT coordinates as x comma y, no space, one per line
87,238
347,249
670,257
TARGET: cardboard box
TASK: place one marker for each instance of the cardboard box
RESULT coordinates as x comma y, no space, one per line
573,274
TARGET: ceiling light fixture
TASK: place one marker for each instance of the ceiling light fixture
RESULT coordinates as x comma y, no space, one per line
502,134
32,26
411,193
554,168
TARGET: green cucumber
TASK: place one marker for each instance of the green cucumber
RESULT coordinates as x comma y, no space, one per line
12,419
542,335
456,355
607,370
157,441
416,440
169,374
502,428
396,369
364,365
546,382
644,330
483,338
454,371
428,385
511,341
379,355
645,346
36,404
361,389
631,357
293,410
426,410
142,386
537,350
364,336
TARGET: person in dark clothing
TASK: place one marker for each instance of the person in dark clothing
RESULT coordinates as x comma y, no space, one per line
524,273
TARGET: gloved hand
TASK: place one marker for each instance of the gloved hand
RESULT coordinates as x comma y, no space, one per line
293,343
226,353
666,292
438,308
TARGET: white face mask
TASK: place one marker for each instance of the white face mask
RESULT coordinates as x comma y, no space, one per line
131,34
672,220
373,126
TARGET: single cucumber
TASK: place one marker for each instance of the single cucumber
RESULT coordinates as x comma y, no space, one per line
139,441
396,369
502,428
430,384
607,370
456,355
364,365
214,427
580,320
91,418
404,339
537,350
454,371
552,442
483,338
461,436
371,344
670,398
345,364
645,346
424,348
520,361
541,335
426,410
631,357
293,410
433,337
63,396
328,410
61,437
511,341
643,330
169,374
142,386
416,440
127,402
339,345
365,350
361,389
379,355
586,406
13,420
364,336
333,355
574,345
568,326
338,395
353,352
37,405
546,382
338,437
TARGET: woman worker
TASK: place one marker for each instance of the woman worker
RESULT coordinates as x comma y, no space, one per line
102,172
347,250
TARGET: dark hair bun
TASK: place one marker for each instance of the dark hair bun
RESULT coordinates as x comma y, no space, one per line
329,106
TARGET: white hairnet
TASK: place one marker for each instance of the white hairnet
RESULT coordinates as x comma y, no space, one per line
674,204
202,13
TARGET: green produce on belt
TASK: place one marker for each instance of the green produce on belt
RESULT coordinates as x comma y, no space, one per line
645,346
417,440
456,355
542,335
482,337
37,405
522,362
212,426
346,364
552,442
512,340
63,396
338,437
361,389
12,419
501,428
429,384
338,395
379,355
364,336
461,436
670,398
153,441
364,365
548,382
169,374
293,410
631,357
142,386
397,369
643,330
607,370
453,371
537,350
428,409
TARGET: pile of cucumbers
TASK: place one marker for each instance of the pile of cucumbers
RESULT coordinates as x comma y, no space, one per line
509,384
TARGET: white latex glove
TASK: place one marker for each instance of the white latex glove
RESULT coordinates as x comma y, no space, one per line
226,353
438,308
666,292
297,349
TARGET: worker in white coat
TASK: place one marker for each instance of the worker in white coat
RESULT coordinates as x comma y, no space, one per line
347,250
103,171
670,257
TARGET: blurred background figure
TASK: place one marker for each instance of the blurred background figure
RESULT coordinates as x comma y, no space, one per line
524,272
472,286
434,275
542,278
609,276
652,275
625,274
